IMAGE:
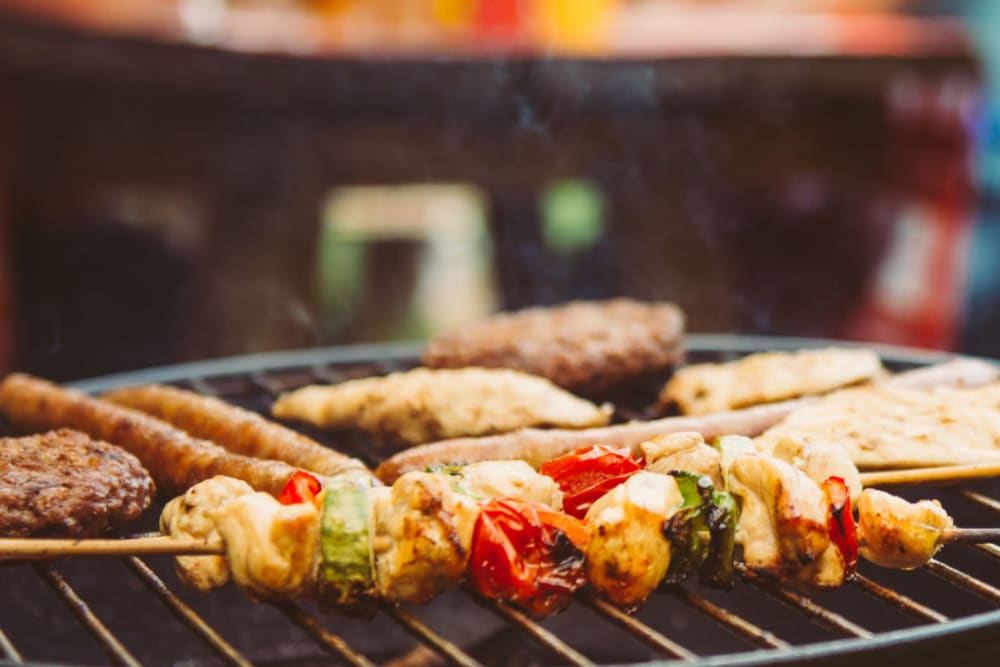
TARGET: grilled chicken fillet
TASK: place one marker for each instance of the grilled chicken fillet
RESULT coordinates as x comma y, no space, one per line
767,377
896,427
423,405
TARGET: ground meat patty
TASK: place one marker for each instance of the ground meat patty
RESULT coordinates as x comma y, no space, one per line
63,484
583,346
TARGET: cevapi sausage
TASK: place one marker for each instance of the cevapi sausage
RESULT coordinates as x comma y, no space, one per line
536,446
238,430
175,459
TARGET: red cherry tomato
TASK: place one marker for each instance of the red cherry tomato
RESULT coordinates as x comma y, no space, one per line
843,531
527,554
588,473
301,487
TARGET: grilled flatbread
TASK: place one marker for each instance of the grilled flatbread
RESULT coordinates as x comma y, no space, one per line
896,427
424,405
767,377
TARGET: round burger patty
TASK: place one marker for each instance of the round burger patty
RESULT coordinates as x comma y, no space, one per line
583,345
63,484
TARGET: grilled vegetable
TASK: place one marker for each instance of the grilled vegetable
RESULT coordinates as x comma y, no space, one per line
586,474
723,517
301,487
687,529
527,554
843,532
346,570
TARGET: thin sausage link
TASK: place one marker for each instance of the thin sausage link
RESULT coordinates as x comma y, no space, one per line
238,430
175,459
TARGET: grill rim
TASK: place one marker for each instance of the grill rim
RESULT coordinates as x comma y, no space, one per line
374,352
965,633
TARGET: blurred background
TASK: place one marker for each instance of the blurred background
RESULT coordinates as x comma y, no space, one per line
189,179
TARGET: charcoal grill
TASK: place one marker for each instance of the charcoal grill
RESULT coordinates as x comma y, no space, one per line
134,611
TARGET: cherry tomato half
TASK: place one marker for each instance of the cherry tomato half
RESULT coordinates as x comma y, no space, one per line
527,554
301,487
586,474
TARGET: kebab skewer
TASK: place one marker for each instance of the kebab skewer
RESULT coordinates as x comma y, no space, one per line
429,531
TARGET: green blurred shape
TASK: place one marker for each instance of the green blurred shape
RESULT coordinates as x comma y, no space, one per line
572,216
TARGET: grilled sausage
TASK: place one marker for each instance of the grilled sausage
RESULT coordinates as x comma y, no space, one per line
238,430
536,446
175,459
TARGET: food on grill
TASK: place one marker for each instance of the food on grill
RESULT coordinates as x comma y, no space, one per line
537,446
629,554
189,516
582,346
404,543
271,547
426,530
62,483
686,450
783,515
240,431
347,568
422,405
900,534
425,534
175,459
588,474
528,555
504,479
898,427
819,461
767,377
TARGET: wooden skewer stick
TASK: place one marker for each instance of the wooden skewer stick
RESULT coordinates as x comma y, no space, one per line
30,548
971,535
927,475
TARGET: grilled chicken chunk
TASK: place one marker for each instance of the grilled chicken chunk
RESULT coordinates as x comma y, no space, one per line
783,516
423,533
424,405
273,549
683,451
766,377
820,461
896,427
628,554
189,516
506,479
893,532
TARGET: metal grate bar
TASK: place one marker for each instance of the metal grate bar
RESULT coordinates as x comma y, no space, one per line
983,500
637,628
266,383
327,374
963,580
186,614
738,624
989,549
108,641
326,639
202,386
7,649
828,618
418,629
898,600
555,645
